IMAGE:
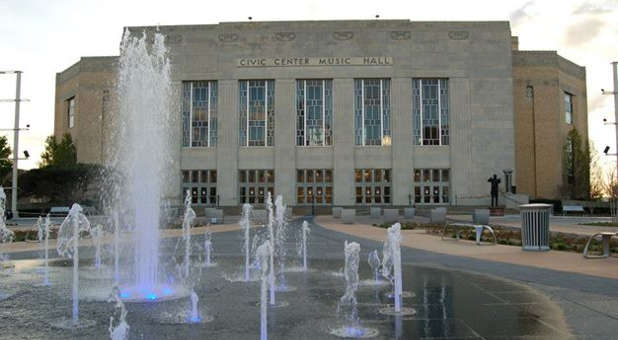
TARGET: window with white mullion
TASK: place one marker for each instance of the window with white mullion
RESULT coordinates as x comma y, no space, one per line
256,112
430,111
313,112
199,114
372,111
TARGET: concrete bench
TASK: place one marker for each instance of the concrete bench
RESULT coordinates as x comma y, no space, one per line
480,216
572,208
213,215
438,216
409,213
605,239
348,216
337,212
478,228
390,215
375,212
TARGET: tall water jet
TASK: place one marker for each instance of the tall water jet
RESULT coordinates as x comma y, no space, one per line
245,225
208,249
68,246
43,234
264,253
187,222
97,234
142,155
392,262
305,235
280,239
121,330
116,222
271,238
347,304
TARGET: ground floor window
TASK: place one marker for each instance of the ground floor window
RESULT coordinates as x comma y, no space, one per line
202,184
431,186
372,186
254,184
314,186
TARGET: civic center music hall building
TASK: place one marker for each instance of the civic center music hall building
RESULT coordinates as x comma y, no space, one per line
350,113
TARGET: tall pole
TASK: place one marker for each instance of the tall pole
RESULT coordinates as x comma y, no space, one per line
16,143
615,68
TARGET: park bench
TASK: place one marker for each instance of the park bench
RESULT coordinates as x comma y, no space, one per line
605,239
478,228
572,208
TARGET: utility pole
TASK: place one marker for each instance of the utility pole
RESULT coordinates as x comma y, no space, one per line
15,140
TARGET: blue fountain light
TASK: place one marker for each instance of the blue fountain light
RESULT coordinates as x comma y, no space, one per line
355,332
167,291
125,295
151,296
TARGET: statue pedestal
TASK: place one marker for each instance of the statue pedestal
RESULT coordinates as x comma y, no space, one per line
496,211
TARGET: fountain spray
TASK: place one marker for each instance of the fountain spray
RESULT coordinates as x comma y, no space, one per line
116,245
305,231
44,236
121,331
97,234
245,224
374,262
68,246
264,254
186,233
271,235
394,239
280,238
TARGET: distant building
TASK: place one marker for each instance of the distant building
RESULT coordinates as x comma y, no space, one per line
350,113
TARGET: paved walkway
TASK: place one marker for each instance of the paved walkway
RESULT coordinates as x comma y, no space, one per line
419,239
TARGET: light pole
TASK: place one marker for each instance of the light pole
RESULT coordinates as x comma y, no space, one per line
16,129
615,94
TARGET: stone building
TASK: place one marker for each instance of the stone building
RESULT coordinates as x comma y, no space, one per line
350,113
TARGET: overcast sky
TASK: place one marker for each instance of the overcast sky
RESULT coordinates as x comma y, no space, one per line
44,37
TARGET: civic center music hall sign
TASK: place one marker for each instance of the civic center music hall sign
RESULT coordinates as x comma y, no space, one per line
314,61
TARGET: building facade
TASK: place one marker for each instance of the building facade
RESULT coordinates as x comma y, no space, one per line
346,113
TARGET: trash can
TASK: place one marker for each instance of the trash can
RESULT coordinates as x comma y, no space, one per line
535,226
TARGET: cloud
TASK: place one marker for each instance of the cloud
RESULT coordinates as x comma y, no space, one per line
583,32
521,14
596,7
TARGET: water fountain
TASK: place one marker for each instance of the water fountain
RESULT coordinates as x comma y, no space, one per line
245,225
271,238
116,222
280,239
208,249
391,268
43,234
264,254
67,246
374,262
305,234
121,330
142,157
195,315
347,306
97,235
187,222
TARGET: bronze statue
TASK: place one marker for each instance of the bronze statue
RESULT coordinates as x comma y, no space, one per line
494,189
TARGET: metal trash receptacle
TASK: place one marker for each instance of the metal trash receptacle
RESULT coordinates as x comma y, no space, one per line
535,226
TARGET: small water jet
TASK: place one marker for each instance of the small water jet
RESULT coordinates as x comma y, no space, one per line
264,253
195,315
208,249
280,239
347,306
68,246
43,234
97,235
187,222
116,222
121,330
391,268
374,262
246,224
271,237
305,234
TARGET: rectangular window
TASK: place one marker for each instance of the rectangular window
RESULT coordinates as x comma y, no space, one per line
257,112
199,114
314,112
317,190
71,112
373,186
430,111
568,108
202,184
254,184
372,111
431,186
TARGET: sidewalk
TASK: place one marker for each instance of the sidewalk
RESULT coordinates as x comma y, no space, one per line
419,239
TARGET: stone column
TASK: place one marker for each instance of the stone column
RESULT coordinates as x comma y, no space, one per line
227,143
285,127
343,135
402,149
